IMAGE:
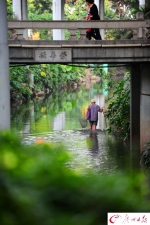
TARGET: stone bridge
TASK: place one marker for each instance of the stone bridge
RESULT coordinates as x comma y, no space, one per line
77,49
135,52
97,52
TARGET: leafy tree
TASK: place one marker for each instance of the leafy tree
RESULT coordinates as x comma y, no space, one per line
43,34
110,11
146,12
118,112
123,7
19,83
54,76
41,10
75,10
9,10
145,9
51,76
40,6
122,10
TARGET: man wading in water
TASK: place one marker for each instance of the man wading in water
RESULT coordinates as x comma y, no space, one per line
92,114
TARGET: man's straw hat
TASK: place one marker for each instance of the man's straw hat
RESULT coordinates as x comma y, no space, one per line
93,100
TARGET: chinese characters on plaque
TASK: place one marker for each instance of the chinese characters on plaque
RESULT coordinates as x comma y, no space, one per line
53,55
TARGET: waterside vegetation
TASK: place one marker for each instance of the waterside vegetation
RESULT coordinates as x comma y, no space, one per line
41,187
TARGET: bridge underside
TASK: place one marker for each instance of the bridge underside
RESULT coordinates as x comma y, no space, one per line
66,52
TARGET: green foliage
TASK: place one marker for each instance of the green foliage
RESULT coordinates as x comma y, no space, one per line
107,82
118,112
44,34
145,9
44,16
38,186
40,6
118,34
123,8
76,10
49,76
9,10
55,76
119,10
110,12
19,83
41,10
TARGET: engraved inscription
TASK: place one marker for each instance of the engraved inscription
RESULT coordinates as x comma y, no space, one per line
53,55
63,55
42,55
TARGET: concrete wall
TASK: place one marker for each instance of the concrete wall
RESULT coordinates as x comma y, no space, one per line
140,106
135,107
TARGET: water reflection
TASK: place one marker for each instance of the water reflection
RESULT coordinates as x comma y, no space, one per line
56,120
59,121
60,111
100,100
93,137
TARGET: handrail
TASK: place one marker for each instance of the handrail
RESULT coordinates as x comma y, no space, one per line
140,27
78,24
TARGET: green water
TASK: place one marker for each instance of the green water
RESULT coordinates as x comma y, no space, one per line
59,111
55,119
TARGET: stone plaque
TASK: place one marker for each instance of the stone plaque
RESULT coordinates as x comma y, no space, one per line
53,55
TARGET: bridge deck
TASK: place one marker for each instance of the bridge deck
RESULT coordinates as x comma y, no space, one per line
83,51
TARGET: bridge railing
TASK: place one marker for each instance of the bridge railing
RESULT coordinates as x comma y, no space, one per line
140,27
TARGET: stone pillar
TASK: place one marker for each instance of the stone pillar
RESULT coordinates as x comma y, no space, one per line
31,78
135,108
24,16
97,2
141,2
4,70
17,9
24,10
58,14
21,13
145,105
102,16
100,5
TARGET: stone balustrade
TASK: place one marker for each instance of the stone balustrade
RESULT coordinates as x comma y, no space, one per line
140,27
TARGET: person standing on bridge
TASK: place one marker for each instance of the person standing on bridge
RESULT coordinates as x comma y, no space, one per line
92,114
93,15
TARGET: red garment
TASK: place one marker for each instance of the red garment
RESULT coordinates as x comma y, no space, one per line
89,30
87,18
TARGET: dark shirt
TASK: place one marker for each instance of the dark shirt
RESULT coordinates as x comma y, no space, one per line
94,112
94,12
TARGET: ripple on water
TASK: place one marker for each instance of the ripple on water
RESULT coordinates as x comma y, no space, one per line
88,147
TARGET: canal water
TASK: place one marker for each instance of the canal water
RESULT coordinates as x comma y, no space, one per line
55,119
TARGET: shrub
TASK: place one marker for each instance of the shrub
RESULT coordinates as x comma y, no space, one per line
38,186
